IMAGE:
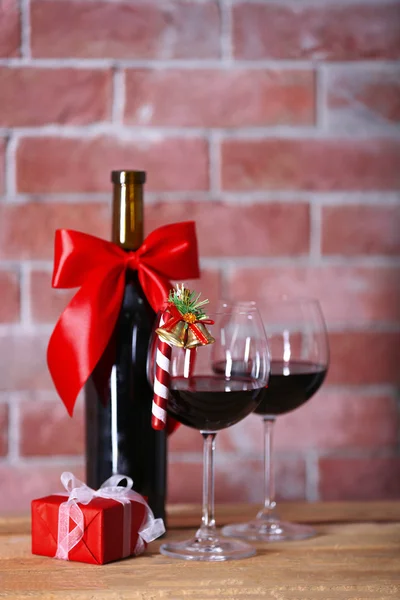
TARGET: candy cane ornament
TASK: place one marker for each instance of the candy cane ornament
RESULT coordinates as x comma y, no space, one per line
183,324
162,381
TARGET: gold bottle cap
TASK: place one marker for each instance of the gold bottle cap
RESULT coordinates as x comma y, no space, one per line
126,177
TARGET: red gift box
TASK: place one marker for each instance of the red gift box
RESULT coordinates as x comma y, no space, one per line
103,536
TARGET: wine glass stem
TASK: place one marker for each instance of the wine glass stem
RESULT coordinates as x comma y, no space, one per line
207,529
269,479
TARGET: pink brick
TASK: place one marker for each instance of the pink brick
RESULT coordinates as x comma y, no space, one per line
9,293
184,482
33,96
185,439
132,30
332,419
311,164
28,231
215,98
47,303
172,164
225,229
23,365
46,429
364,357
359,478
24,483
341,419
259,229
347,31
3,429
243,483
363,97
347,294
10,28
353,230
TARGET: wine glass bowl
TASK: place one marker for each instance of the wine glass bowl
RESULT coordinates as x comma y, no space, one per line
298,346
208,394
213,404
299,350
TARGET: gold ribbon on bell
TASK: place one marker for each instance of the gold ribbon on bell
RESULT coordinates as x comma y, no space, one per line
193,341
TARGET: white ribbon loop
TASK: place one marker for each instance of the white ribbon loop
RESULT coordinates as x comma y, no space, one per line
67,540
78,491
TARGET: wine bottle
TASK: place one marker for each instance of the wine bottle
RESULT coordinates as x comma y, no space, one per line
118,397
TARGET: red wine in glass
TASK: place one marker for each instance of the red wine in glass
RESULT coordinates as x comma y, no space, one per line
298,345
211,403
290,385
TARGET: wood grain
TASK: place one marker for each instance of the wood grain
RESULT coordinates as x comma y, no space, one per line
188,515
346,561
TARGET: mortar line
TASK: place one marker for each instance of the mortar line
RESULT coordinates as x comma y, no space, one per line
226,31
302,261
312,476
156,134
321,99
315,233
313,3
25,294
59,460
216,262
10,176
118,99
216,63
25,30
13,430
214,147
333,198
355,452
26,330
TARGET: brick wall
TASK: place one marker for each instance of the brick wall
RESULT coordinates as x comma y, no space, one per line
275,125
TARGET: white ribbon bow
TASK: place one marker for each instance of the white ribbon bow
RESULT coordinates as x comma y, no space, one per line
78,491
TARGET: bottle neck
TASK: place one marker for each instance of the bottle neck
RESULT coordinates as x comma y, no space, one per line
127,222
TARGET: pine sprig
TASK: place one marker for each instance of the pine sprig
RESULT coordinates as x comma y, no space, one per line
187,301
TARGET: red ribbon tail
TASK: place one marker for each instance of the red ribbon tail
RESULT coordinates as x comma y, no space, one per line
172,425
82,333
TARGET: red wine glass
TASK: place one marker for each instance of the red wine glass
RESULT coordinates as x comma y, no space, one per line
298,344
209,401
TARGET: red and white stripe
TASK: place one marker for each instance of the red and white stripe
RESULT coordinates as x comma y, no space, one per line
162,381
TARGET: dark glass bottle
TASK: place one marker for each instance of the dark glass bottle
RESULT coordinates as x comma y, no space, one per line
118,397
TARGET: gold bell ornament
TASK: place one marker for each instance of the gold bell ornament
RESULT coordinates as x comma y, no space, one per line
193,341
176,336
186,322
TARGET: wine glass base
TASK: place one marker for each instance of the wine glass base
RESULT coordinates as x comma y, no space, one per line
269,531
210,550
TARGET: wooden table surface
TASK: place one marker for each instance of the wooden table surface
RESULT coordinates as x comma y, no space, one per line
356,556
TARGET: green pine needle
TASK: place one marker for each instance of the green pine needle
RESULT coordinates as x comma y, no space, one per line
187,301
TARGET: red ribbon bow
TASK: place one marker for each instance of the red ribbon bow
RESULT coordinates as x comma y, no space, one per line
98,267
